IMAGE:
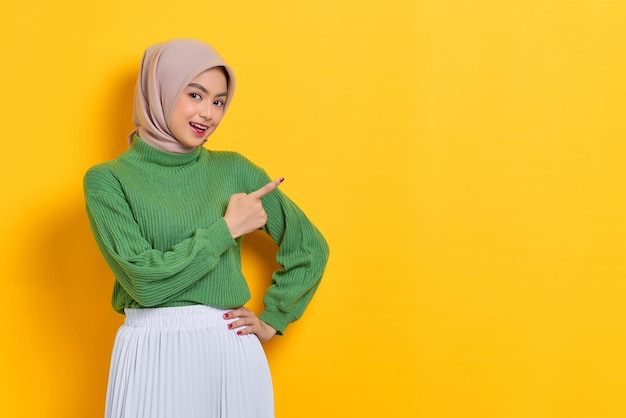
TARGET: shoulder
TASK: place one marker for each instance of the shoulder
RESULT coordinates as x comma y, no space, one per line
99,170
101,177
245,174
227,156
112,169
232,159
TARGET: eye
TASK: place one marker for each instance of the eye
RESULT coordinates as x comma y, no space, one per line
219,103
195,96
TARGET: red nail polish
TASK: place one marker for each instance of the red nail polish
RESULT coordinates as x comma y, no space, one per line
225,316
239,332
230,326
281,179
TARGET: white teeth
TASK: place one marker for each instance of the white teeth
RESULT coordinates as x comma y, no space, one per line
195,125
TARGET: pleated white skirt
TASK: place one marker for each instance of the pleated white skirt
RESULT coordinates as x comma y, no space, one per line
184,362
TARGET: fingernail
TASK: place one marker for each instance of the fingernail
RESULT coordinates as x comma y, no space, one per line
225,316
281,179
230,326
239,332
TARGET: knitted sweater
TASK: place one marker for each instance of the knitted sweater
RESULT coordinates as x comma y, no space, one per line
157,218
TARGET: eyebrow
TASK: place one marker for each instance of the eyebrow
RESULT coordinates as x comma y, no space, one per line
201,88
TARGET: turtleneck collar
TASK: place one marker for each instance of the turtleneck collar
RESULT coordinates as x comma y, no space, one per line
140,151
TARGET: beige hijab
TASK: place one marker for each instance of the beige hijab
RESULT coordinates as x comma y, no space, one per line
166,69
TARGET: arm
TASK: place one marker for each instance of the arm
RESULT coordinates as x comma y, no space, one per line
302,253
149,276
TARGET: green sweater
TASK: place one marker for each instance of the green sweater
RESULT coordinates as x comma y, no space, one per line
158,220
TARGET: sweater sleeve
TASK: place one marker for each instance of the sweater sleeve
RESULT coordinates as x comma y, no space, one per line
302,252
149,276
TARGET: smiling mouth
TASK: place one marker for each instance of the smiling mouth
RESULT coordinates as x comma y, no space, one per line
198,128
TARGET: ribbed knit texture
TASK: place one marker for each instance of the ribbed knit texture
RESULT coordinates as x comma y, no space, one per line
158,220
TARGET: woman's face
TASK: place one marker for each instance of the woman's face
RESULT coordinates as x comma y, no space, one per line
199,109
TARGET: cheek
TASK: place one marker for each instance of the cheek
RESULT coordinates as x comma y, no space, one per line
179,114
183,105
219,115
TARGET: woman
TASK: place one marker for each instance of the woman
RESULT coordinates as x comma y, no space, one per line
169,216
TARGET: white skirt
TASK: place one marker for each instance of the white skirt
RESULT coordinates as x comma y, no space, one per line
184,362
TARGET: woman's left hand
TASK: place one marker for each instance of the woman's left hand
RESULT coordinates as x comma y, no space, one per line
251,323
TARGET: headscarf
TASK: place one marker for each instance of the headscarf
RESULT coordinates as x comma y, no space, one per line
166,69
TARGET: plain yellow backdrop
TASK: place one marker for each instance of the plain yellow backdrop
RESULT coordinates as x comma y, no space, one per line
465,160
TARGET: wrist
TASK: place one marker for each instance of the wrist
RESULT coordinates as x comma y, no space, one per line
233,231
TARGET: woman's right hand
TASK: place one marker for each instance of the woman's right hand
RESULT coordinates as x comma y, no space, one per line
245,212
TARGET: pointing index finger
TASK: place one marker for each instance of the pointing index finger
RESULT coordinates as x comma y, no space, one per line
267,188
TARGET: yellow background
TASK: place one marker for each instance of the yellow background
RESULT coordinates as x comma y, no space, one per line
465,159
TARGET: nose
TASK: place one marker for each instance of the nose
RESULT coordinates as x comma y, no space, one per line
205,111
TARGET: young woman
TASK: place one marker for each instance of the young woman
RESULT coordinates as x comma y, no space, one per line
169,216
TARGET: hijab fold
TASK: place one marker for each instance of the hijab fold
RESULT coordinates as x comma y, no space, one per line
166,69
